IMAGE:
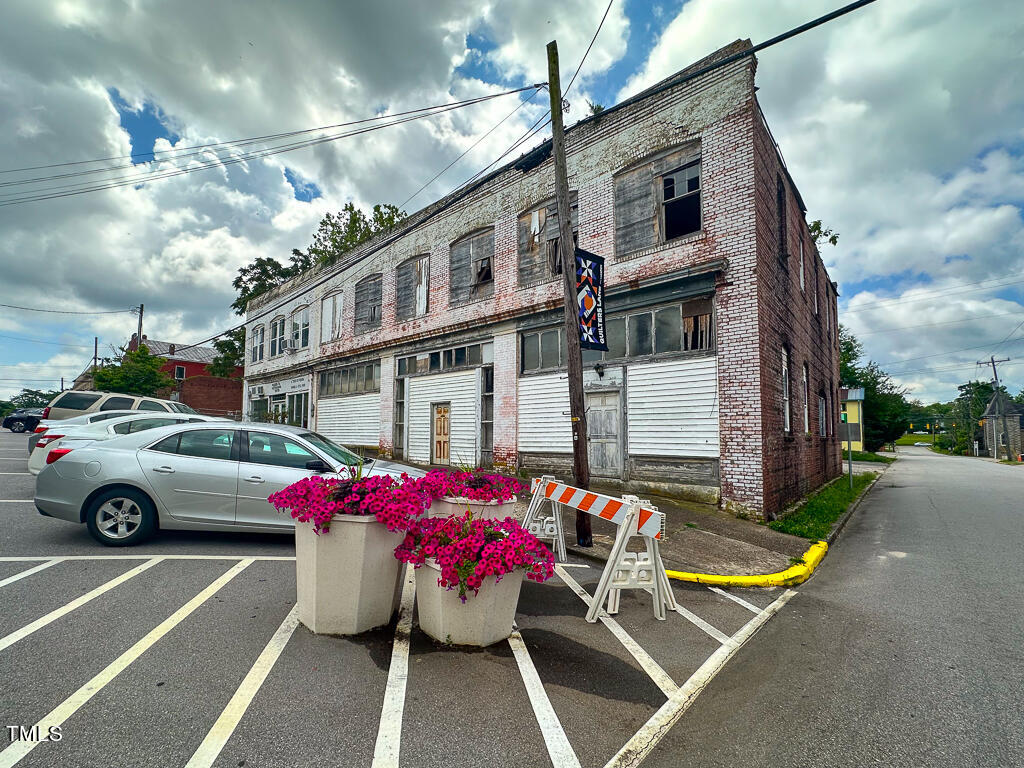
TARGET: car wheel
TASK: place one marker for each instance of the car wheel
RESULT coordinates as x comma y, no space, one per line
121,517
17,426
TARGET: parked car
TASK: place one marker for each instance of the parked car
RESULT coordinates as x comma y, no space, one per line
924,444
90,418
211,477
78,436
76,402
23,419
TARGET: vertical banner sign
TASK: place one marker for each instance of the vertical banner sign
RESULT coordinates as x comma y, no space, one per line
590,300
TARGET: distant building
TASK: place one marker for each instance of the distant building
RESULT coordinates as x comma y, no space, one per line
854,425
441,342
992,426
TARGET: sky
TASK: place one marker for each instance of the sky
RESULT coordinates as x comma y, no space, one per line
901,123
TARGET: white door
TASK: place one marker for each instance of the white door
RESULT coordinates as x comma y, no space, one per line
603,434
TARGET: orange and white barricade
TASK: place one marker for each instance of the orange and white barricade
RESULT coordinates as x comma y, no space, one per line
624,570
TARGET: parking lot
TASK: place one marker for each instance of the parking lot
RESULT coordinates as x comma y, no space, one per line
185,651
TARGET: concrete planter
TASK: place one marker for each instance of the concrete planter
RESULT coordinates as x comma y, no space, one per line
347,580
484,619
482,510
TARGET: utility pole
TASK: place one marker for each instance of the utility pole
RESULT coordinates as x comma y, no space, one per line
138,335
567,255
95,353
1006,428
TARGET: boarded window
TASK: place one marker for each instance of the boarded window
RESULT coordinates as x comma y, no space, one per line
471,269
411,280
330,317
539,258
681,201
669,182
368,300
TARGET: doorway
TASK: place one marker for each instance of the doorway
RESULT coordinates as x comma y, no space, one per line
440,433
604,447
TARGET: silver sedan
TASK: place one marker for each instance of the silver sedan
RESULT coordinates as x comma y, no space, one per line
210,477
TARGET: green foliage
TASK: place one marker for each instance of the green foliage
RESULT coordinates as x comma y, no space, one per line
594,107
886,411
821,234
875,458
28,398
850,352
230,354
134,373
1019,398
814,519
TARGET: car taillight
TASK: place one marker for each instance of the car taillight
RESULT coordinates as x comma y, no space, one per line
56,453
40,430
45,440
46,412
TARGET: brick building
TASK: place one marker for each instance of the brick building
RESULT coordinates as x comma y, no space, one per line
194,386
441,342
995,435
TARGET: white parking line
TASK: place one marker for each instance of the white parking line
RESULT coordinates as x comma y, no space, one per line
17,501
15,473
36,558
221,731
30,571
559,749
646,739
14,753
387,749
697,621
20,634
736,599
644,659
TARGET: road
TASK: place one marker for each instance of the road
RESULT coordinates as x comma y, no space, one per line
906,648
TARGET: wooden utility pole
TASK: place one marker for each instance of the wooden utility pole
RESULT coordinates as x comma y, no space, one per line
138,335
997,400
567,255
95,352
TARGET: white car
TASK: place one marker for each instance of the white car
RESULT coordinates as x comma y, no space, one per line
76,436
76,421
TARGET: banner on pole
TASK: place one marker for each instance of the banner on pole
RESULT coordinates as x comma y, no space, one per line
590,300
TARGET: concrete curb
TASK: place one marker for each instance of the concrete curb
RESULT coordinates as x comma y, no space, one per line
842,521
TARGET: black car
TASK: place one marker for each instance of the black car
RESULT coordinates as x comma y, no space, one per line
23,419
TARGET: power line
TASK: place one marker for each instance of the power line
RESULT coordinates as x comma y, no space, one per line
127,180
232,142
897,328
68,311
951,291
41,341
466,187
587,52
951,352
1016,328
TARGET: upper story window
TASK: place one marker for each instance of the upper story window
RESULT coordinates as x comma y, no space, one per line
300,328
780,216
412,280
277,336
368,301
179,372
330,317
802,282
686,327
256,344
815,287
539,256
807,400
471,268
658,201
785,390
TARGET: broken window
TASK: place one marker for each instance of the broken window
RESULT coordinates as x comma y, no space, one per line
368,303
471,270
411,285
539,257
681,201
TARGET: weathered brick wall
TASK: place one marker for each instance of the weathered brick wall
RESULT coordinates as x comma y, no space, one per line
795,462
211,395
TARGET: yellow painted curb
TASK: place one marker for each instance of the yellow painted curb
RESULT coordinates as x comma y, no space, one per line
792,575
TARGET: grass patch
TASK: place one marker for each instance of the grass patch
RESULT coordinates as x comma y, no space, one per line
877,458
813,520
911,439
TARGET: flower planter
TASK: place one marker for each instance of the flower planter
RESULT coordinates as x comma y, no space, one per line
447,506
347,580
484,619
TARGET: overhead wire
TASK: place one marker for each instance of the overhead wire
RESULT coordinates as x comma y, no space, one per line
68,311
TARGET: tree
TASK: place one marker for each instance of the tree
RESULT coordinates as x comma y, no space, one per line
886,412
258,278
1019,398
340,233
850,353
134,373
594,107
27,398
230,354
821,234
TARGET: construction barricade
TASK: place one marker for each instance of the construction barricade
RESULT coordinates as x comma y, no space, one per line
624,569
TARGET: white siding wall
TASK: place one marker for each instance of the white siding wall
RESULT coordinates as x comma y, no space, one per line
352,420
672,408
544,414
462,391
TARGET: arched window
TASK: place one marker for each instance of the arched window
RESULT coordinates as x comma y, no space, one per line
277,336
368,301
300,328
256,344
412,280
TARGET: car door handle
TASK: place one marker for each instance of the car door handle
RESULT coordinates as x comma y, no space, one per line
164,470
253,479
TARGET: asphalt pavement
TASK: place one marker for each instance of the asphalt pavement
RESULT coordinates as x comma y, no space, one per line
184,651
906,648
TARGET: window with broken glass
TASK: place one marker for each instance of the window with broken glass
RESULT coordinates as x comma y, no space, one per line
680,196
471,268
368,303
351,380
539,257
411,288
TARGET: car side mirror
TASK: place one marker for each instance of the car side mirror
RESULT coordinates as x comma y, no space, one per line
317,466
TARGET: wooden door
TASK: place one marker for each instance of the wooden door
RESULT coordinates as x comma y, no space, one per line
440,442
603,439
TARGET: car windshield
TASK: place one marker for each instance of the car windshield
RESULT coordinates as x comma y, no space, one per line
332,449
181,408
